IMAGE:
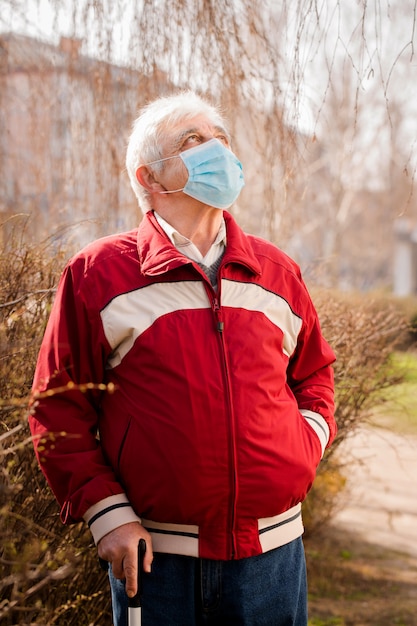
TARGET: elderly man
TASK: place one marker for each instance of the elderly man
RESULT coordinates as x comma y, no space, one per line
218,400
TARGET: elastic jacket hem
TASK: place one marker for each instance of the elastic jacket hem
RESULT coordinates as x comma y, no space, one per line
183,539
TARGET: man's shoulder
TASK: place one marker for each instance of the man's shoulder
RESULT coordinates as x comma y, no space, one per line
106,249
104,268
266,251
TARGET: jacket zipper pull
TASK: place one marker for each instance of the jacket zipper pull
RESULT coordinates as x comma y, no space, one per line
216,309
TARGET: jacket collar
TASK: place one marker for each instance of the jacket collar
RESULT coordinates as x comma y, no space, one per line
158,255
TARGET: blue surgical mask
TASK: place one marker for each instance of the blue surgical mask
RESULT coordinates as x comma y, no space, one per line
215,175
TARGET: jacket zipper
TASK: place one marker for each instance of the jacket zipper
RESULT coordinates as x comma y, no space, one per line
220,328
219,318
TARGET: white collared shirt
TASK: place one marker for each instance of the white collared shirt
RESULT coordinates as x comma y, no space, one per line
190,250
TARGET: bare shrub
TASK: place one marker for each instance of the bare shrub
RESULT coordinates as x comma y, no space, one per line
48,573
363,332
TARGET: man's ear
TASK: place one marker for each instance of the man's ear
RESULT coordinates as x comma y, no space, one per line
146,178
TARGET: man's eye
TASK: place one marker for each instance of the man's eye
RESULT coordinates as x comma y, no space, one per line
192,139
223,139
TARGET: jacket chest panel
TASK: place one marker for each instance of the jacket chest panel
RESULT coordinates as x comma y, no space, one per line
131,314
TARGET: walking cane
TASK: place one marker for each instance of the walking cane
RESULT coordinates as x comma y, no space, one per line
134,611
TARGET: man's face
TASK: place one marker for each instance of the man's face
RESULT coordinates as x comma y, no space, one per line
182,136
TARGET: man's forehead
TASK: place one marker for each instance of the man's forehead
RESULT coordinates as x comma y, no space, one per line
200,123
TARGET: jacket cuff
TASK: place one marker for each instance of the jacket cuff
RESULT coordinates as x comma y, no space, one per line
109,514
319,425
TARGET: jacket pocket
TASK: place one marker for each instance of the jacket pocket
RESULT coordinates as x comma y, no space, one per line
318,431
123,444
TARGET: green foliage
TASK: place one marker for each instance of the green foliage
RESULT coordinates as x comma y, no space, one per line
398,409
49,573
332,621
406,363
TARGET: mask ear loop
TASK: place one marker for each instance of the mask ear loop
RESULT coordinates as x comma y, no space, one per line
170,191
175,156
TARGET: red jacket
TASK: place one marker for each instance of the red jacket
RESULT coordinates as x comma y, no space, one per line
204,414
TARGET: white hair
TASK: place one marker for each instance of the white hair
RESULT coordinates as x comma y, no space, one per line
144,145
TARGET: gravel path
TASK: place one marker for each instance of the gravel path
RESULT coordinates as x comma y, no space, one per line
380,502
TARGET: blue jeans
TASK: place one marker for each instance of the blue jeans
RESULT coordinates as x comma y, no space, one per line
265,590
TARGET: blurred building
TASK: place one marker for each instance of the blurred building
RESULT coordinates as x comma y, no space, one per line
405,258
64,122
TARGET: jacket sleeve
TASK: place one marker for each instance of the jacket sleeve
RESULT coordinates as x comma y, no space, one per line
68,384
310,375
